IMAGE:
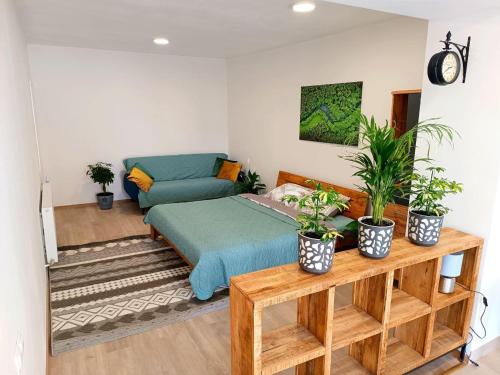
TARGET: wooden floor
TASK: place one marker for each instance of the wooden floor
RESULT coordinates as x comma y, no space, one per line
194,347
86,223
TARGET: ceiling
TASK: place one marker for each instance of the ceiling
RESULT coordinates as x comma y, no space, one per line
427,9
205,28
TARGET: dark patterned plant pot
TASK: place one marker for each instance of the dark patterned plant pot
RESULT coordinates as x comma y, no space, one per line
315,256
105,200
424,230
374,241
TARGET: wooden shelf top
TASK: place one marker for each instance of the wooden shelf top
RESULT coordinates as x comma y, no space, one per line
288,346
351,324
283,283
405,307
459,294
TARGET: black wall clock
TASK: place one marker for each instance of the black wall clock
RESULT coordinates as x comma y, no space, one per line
444,67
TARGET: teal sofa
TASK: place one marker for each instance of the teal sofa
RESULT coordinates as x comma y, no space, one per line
179,178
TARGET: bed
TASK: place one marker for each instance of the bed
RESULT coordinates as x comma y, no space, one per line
224,237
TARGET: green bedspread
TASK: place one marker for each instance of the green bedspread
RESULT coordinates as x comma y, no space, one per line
227,237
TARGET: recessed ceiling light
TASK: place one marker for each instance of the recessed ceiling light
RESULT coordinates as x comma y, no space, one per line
160,41
304,7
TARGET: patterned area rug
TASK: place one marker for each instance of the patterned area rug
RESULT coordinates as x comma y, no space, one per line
108,290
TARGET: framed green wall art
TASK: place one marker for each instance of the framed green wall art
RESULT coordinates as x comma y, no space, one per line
331,113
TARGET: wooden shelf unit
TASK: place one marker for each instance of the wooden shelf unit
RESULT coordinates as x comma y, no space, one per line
385,330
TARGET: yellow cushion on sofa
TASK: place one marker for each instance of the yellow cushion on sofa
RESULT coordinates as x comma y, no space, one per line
229,171
141,179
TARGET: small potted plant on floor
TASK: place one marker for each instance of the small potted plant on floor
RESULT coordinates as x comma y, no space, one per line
385,165
250,183
316,239
427,212
102,174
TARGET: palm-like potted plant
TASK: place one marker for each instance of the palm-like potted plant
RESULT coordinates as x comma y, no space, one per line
385,165
427,212
251,183
102,174
316,239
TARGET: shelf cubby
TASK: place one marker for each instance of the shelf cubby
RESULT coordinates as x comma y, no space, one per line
343,363
360,357
405,307
407,346
459,294
453,318
363,318
289,346
351,324
470,267
400,357
443,338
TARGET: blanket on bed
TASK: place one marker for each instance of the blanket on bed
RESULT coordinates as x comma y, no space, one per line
226,237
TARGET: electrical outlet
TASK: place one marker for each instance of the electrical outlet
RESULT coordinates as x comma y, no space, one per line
18,358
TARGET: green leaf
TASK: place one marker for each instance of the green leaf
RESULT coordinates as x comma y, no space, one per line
101,173
385,163
311,217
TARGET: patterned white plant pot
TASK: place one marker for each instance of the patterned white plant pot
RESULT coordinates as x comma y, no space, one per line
374,241
424,230
315,256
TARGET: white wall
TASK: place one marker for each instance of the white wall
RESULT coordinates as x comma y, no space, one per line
473,109
22,273
95,105
264,94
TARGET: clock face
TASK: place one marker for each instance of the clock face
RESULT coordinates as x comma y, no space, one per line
444,68
450,67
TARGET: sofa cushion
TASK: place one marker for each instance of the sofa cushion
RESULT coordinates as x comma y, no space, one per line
176,167
218,165
141,178
229,171
194,189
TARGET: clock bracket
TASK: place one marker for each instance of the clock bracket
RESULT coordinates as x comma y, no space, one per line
462,50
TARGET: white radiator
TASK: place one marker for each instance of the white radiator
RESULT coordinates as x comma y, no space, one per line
48,224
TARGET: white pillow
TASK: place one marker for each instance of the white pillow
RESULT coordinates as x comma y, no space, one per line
278,193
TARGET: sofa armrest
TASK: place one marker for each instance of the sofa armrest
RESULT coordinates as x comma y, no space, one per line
131,188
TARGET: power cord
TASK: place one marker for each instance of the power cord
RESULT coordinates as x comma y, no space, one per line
480,337
469,354
485,304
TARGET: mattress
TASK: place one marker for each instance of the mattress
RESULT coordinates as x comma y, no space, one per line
227,237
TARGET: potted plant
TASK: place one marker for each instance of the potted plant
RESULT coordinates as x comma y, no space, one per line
316,239
426,210
250,183
102,174
385,165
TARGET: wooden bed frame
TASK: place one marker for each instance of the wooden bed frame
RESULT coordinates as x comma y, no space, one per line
358,204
